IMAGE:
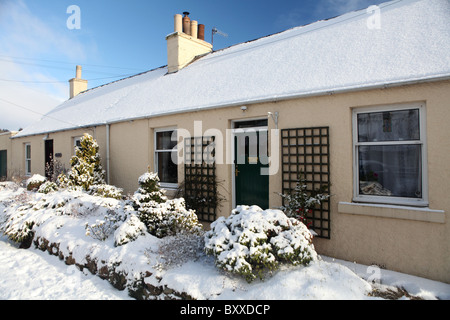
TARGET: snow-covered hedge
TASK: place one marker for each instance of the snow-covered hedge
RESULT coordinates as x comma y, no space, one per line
251,241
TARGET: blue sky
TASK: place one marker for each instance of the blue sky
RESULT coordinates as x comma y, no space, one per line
38,52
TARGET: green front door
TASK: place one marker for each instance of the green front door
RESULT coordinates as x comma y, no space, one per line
3,162
251,186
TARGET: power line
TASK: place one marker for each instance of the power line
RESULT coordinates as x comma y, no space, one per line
60,68
41,114
65,62
64,81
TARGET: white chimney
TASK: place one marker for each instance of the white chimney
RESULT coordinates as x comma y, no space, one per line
77,84
185,43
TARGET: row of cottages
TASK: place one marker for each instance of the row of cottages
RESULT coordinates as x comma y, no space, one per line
359,103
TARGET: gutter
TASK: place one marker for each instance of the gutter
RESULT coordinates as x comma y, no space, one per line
260,100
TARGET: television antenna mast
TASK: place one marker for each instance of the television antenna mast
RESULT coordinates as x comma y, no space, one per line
214,31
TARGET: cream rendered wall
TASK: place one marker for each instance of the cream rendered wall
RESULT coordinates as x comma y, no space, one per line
18,156
63,142
182,49
129,153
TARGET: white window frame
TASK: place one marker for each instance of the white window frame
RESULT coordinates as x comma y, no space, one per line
27,160
75,139
421,202
163,184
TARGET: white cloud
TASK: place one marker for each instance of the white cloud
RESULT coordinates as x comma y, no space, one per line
22,104
23,30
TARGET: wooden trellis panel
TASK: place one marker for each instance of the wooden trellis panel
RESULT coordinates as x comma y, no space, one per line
307,151
200,188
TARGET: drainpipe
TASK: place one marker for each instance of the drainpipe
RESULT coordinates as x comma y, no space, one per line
107,154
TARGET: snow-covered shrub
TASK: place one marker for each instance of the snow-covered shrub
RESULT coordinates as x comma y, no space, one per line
161,216
106,191
35,182
129,231
47,187
101,229
298,203
85,169
149,190
168,218
251,241
20,218
175,250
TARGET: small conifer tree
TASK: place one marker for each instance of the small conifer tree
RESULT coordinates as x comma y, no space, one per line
149,190
86,169
162,216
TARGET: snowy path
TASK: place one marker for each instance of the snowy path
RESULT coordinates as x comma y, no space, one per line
35,275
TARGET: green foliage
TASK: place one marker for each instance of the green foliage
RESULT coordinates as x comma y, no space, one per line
149,190
86,169
106,191
35,182
161,216
299,202
48,187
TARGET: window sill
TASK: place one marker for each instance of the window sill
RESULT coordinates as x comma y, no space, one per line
392,211
169,186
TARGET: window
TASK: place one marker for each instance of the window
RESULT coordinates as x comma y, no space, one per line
165,151
390,155
76,143
27,159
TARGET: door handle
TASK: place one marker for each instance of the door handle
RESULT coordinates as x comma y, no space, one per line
236,171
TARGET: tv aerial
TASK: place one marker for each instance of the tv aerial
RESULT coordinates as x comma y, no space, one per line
214,31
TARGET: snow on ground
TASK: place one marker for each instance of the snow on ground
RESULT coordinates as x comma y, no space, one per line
33,274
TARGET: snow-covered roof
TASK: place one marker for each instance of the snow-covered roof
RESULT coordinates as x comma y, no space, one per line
408,41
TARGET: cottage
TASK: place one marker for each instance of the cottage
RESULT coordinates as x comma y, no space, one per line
358,103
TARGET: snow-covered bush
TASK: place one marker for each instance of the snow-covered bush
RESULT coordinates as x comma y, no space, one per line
106,191
35,182
24,211
251,241
129,231
149,190
175,250
85,169
47,187
298,203
20,217
168,218
161,216
101,229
